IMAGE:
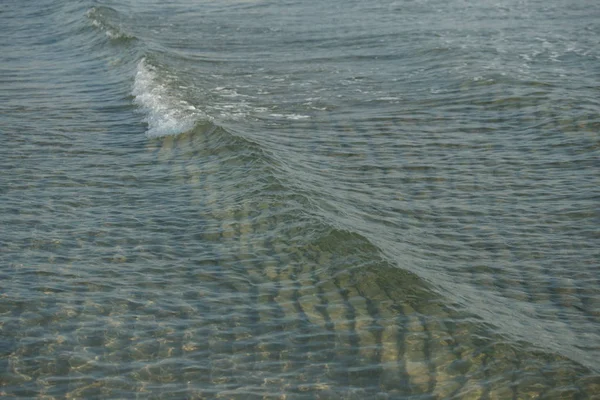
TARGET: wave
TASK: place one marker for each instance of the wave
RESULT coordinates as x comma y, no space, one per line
166,114
102,18
157,93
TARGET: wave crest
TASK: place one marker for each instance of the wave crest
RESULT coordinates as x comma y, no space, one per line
100,18
165,113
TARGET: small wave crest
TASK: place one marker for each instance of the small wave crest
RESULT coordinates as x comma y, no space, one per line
100,18
165,113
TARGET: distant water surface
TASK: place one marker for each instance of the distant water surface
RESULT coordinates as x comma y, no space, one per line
300,199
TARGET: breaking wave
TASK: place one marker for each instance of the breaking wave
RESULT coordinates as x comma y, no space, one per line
165,113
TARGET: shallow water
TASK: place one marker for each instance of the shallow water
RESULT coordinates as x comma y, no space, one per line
248,199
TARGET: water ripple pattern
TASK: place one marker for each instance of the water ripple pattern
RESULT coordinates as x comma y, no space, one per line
244,199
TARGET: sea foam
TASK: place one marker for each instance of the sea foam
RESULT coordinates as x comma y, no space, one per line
165,113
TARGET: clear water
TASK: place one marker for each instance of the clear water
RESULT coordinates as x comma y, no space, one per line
299,199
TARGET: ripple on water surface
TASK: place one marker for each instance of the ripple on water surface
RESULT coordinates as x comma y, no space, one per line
237,200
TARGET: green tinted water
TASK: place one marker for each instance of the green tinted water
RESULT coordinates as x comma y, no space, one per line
283,209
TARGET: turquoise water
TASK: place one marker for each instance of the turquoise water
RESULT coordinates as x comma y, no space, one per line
249,199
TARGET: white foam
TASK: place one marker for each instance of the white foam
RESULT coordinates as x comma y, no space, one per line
288,116
165,114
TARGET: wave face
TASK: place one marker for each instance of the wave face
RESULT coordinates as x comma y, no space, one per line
250,199
166,115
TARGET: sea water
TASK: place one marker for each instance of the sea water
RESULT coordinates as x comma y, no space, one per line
300,199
